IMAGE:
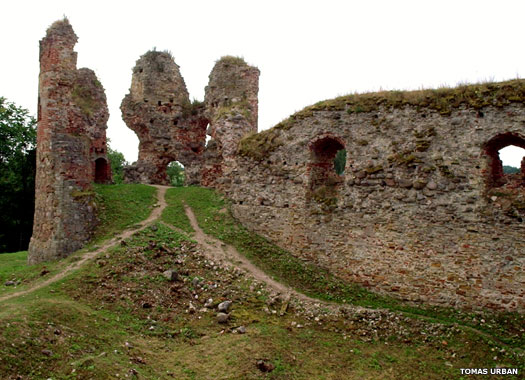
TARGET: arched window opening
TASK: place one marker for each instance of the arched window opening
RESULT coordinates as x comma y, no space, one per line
512,159
506,162
175,172
102,171
326,169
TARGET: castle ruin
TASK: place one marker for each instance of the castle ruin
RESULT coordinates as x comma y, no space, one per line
71,148
422,211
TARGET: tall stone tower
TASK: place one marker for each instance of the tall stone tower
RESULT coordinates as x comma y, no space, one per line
71,148
169,127
232,108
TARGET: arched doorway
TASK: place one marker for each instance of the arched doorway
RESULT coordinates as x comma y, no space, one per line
175,173
102,171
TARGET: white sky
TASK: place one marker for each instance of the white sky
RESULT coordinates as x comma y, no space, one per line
306,50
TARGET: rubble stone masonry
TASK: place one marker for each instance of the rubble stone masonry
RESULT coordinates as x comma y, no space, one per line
71,148
422,211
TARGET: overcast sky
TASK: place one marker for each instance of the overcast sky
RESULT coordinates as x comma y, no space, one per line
306,50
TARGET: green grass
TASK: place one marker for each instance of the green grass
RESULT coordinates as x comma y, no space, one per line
95,325
311,280
174,214
122,206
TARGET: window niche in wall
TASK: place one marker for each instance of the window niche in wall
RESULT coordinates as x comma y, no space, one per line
497,175
326,170
506,183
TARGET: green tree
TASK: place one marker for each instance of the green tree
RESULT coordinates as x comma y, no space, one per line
17,176
510,169
175,173
117,162
340,162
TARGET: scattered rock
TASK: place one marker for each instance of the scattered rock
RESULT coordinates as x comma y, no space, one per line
241,330
146,305
191,309
195,282
138,360
154,227
171,275
47,352
284,306
224,307
209,303
265,366
10,283
222,317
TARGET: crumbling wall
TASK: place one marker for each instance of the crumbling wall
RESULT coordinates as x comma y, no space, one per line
419,213
232,108
170,128
72,116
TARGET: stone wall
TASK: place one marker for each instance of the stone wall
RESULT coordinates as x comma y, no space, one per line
421,212
71,148
170,128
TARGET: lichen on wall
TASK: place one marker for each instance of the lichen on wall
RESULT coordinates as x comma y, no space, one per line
417,213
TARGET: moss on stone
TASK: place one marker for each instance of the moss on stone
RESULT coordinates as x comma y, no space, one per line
83,98
422,145
442,100
232,60
260,145
374,169
81,194
192,108
404,158
325,196
242,107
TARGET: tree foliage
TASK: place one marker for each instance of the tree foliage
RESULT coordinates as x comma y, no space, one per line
175,173
118,161
17,176
340,162
510,169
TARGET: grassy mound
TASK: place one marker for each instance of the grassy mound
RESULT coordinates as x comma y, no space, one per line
120,317
211,212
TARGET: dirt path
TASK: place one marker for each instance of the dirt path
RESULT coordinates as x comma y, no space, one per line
217,250
155,214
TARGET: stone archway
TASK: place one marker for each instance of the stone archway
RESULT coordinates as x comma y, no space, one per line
102,171
495,175
324,181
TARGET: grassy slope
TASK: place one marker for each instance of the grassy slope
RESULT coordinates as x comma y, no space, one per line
313,281
120,206
119,317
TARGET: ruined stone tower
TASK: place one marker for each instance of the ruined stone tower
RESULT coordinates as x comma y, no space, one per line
71,148
170,128
159,111
232,107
